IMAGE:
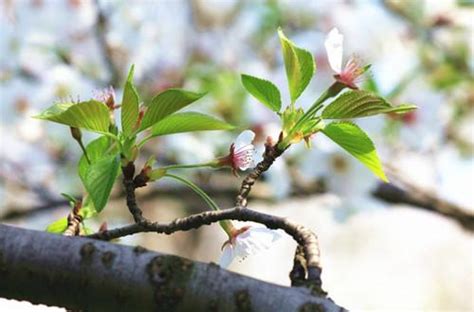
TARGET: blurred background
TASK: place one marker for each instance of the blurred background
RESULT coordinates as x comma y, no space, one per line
404,246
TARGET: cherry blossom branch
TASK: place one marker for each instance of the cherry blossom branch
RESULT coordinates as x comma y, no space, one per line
129,186
301,264
302,235
272,152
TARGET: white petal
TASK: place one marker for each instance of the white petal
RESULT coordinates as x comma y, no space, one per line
333,45
227,256
245,157
254,240
244,248
244,139
263,236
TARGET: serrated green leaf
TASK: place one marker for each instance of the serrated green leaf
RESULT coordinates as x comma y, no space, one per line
188,122
91,115
299,65
96,150
357,143
130,102
99,180
58,226
99,176
264,91
166,103
359,103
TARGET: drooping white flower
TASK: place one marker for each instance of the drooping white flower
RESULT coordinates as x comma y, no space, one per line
241,153
352,71
334,49
246,241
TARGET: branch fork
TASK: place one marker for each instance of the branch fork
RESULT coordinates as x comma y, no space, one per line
307,269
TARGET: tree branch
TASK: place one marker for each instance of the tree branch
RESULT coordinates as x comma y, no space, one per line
416,197
272,152
99,276
303,236
411,193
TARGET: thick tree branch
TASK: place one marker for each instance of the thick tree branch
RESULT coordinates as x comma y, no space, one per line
91,275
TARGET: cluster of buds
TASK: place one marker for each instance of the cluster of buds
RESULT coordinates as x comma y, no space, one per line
148,174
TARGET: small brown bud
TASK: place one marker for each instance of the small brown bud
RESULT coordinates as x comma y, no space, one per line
76,133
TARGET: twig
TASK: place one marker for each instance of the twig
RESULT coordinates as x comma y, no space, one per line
129,185
417,197
74,220
298,273
303,262
303,236
269,156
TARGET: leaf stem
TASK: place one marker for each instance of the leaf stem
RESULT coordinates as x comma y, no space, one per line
196,189
84,151
330,92
225,224
178,166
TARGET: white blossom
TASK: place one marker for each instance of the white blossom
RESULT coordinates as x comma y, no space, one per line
247,241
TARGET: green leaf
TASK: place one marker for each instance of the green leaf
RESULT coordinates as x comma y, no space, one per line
87,210
355,141
130,101
299,65
71,199
96,150
58,226
91,115
264,91
99,176
359,103
99,180
166,103
188,122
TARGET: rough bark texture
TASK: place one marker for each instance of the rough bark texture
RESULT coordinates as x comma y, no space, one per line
91,275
